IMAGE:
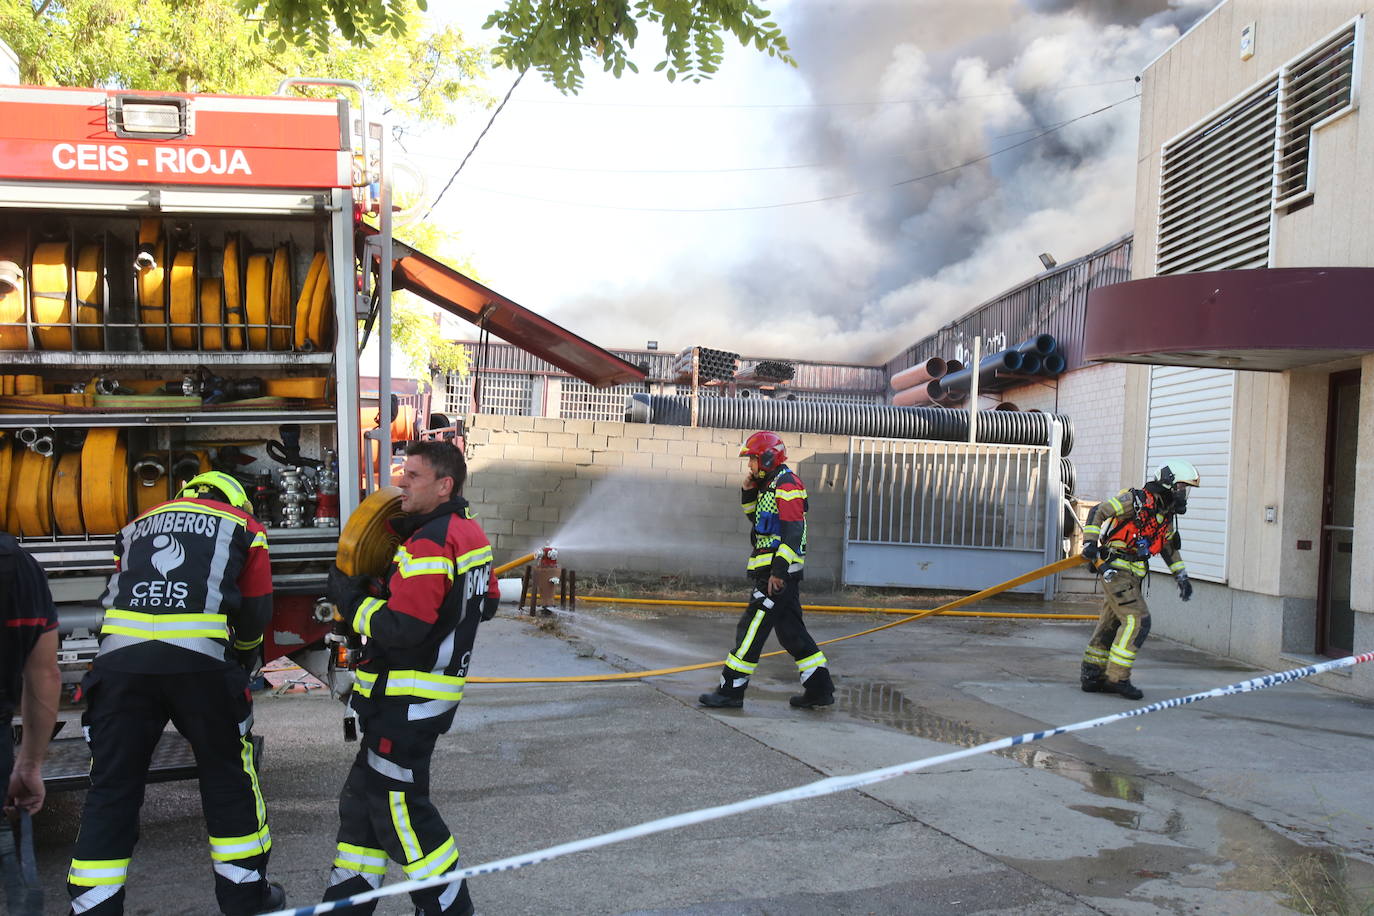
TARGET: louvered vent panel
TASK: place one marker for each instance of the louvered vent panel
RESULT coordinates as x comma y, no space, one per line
1216,190
1317,88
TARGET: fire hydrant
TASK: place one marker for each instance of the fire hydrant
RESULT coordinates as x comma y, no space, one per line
545,577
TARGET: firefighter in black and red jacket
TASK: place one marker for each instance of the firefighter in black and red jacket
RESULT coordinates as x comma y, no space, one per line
185,613
419,633
774,499
1121,535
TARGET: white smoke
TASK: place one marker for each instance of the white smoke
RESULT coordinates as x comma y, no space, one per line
860,278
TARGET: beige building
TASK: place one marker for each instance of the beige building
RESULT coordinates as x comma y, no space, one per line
1248,336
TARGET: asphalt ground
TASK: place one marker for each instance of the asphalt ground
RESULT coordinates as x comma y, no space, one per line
1252,804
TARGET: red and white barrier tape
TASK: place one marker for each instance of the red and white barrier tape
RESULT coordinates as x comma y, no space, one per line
812,790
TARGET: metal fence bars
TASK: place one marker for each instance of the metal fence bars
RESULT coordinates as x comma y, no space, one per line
950,515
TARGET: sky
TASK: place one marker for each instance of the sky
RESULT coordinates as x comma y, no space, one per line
836,211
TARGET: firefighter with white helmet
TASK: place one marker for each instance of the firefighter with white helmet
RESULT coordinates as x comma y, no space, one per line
774,498
1121,535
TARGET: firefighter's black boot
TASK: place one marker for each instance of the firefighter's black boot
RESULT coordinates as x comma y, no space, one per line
728,695
722,698
819,691
1125,688
1092,678
273,899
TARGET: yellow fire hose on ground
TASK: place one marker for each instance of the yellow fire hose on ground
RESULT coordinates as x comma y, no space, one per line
834,608
1033,575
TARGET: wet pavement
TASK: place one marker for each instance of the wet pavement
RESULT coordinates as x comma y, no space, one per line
1252,804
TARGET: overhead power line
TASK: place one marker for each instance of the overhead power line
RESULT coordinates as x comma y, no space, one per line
719,171
765,105
472,149
813,200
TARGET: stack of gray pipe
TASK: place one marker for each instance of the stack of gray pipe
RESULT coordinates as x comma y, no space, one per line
842,419
711,364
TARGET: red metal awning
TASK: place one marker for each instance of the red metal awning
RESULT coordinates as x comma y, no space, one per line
1268,319
445,287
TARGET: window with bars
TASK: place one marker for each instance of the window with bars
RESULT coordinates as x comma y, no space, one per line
1317,89
457,395
581,401
502,393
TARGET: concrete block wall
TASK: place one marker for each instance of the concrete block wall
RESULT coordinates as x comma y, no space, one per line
647,499
1094,398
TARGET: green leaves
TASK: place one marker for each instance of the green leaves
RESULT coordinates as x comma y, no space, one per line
210,46
248,45
555,36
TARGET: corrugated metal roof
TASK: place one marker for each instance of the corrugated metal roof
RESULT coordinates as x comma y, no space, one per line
499,357
1053,303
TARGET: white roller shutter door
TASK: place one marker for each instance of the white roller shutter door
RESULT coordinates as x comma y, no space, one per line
1190,418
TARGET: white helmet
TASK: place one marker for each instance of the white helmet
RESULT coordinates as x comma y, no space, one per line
1175,477
1177,472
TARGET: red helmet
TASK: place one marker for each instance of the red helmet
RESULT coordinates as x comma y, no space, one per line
767,448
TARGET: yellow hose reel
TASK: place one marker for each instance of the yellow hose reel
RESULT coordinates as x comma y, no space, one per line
366,545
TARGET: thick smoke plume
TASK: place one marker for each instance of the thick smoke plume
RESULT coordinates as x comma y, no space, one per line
859,278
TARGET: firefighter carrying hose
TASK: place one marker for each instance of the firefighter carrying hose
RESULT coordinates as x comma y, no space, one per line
1121,535
185,613
774,499
420,629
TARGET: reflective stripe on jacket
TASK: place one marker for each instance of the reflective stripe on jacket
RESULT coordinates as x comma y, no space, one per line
190,575
778,533
1138,527
420,633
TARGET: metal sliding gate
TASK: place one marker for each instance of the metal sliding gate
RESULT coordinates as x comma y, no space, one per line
952,515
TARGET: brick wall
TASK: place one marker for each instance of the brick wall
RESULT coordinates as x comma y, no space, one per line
647,499
1094,399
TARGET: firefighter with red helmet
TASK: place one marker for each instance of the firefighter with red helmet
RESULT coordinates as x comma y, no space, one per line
774,499
1121,535
185,613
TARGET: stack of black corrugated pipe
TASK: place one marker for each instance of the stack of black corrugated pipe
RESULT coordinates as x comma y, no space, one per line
841,419
768,370
712,365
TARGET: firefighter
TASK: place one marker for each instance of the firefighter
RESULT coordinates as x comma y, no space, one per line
28,676
420,624
774,499
185,612
1138,524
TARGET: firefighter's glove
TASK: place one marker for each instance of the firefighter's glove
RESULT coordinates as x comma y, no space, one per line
249,660
1091,551
345,591
1185,587
489,604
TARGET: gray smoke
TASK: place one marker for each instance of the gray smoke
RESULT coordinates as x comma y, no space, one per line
859,279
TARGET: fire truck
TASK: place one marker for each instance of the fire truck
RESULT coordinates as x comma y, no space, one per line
182,279
186,281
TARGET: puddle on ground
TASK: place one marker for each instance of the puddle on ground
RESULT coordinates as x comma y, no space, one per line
1253,857
884,704
1122,817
